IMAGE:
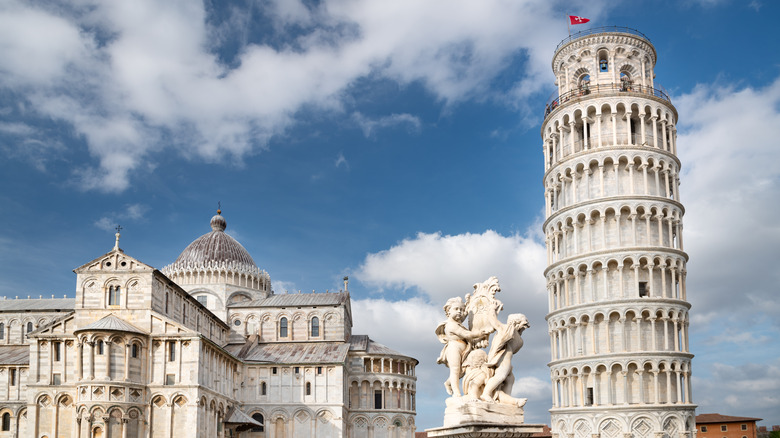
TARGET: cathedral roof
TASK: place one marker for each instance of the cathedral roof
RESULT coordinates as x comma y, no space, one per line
214,250
237,416
111,323
293,300
39,304
364,343
292,352
14,355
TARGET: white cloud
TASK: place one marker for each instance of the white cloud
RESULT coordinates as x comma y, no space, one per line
730,188
283,287
749,389
341,161
444,266
135,78
131,213
370,126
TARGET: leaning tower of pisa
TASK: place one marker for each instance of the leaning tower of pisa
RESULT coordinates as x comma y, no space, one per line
618,314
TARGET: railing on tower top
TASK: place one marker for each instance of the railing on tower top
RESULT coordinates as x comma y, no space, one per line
602,29
555,100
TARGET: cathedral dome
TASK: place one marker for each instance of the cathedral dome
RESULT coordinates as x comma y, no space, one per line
216,257
216,247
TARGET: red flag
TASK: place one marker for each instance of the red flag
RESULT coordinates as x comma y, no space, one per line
578,20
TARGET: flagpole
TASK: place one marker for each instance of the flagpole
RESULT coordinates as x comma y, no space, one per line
568,26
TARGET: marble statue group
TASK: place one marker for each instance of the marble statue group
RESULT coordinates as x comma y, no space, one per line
486,375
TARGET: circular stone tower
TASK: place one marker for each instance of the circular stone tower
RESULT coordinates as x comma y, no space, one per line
618,318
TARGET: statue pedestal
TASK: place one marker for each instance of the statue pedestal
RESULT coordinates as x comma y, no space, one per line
482,430
479,419
459,411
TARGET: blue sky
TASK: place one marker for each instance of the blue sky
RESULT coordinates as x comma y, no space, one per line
394,142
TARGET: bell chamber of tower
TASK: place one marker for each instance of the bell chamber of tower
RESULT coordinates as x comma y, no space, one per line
616,268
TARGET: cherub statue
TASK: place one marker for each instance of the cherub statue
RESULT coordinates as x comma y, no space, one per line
506,343
483,307
457,340
476,373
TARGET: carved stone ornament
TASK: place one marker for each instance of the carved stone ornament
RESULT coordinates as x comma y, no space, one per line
484,393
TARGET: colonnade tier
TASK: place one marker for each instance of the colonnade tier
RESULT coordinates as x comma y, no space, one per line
651,233
647,383
378,394
612,332
388,365
599,178
613,277
595,124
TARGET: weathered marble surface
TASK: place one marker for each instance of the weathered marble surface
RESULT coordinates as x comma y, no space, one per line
481,430
460,411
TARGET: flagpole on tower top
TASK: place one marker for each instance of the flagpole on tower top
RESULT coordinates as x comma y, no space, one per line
568,26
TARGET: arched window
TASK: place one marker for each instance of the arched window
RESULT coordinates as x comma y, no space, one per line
100,347
315,327
114,294
283,328
263,388
6,422
29,327
308,388
259,418
2,331
134,350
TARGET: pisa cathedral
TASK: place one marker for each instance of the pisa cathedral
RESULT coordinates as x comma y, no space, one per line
618,312
202,348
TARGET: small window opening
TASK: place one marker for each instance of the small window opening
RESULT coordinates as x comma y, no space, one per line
273,370
603,65
319,370
13,376
114,295
2,331
723,428
100,347
57,346
704,428
643,291
308,388
378,399
589,397
744,427
134,351
167,301
297,370
170,379
263,388
171,351
6,422
283,328
315,327
56,379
